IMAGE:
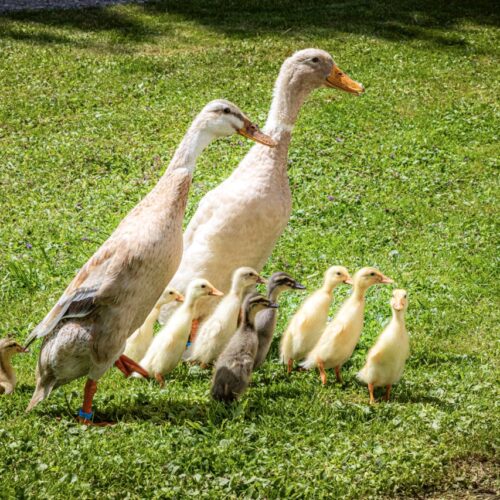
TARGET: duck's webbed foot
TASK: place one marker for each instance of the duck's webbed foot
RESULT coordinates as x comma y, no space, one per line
128,366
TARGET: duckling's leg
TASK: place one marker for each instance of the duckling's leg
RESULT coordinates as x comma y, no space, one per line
338,374
128,366
194,330
387,392
159,378
322,372
370,390
290,366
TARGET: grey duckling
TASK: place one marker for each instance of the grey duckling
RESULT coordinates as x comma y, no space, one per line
265,321
8,348
234,366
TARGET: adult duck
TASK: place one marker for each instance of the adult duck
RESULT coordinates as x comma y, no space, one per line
238,223
110,297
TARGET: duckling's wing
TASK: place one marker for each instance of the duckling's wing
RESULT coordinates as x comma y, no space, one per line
83,293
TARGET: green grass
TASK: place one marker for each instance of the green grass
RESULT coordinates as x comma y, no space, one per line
404,178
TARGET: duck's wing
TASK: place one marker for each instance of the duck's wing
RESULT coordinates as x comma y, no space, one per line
87,289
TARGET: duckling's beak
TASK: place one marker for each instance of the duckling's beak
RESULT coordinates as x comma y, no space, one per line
338,79
385,279
215,292
179,298
398,306
261,280
348,281
298,286
251,131
22,349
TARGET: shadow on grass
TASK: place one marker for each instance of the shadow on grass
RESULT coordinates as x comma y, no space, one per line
433,21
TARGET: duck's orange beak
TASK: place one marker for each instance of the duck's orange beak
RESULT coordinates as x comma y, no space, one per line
216,292
179,298
348,281
338,79
261,280
385,279
251,131
398,305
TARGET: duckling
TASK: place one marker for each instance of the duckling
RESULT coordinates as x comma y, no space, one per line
308,323
138,343
8,348
234,366
217,330
265,321
167,347
341,335
386,359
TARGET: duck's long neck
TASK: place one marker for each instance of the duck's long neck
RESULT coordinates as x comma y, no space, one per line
197,138
289,95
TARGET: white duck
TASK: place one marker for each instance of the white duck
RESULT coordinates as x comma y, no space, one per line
308,323
341,335
386,359
216,332
239,222
140,340
167,347
111,296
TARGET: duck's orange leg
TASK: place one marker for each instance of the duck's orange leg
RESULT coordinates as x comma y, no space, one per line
128,366
322,372
370,390
290,366
194,330
387,392
159,378
338,374
85,413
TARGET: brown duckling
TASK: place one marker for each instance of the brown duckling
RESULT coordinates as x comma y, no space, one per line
233,369
265,321
8,348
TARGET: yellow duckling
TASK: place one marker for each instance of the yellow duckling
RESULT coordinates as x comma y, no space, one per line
386,359
308,323
140,340
167,347
341,335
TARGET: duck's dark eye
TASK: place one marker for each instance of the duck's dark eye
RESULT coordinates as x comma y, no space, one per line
315,59
338,274
372,274
170,293
227,111
203,286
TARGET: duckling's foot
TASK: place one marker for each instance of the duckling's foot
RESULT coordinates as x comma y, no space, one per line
159,378
387,392
322,372
338,374
290,366
128,366
372,397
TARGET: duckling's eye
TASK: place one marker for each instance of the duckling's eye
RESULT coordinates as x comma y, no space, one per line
203,286
315,59
372,274
404,296
170,293
338,274
227,111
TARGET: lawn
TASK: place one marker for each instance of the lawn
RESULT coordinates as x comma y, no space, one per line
405,178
